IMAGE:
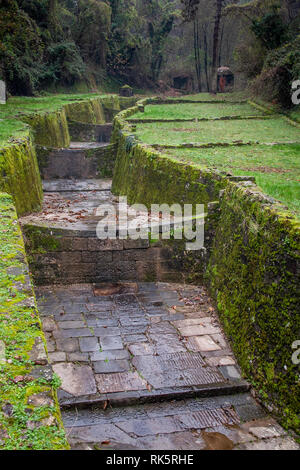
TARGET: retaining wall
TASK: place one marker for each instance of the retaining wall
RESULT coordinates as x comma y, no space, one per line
67,257
253,266
72,163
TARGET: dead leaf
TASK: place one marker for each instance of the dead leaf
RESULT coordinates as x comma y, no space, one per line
18,378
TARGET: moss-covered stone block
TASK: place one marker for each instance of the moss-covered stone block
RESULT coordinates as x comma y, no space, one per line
19,175
49,129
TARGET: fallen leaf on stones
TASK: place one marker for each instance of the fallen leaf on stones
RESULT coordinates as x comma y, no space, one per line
105,443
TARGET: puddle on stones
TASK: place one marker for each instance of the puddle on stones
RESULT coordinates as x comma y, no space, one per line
105,289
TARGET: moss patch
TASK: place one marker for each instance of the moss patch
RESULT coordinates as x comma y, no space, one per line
29,411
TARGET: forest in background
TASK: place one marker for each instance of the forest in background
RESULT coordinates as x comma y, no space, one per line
92,45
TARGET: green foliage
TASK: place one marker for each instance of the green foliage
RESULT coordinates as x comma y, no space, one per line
91,30
189,9
65,64
270,56
270,30
21,49
282,67
158,31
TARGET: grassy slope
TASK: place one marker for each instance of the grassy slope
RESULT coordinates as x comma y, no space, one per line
272,130
276,168
11,125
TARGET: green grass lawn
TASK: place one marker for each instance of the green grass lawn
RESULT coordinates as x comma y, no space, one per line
12,128
256,131
197,110
276,167
295,114
11,125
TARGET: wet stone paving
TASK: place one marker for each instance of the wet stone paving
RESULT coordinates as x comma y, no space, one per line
147,366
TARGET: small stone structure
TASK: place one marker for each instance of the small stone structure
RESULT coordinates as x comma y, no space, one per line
183,82
225,80
2,92
126,91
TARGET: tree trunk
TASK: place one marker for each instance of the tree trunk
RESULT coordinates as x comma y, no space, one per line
220,48
53,22
197,48
219,4
206,57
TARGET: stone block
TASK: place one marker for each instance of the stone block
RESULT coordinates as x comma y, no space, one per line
89,344
76,379
2,92
94,244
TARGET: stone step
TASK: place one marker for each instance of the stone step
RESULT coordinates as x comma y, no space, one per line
78,185
67,249
81,160
217,423
119,399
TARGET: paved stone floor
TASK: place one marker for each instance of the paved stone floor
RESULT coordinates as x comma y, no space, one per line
125,351
72,204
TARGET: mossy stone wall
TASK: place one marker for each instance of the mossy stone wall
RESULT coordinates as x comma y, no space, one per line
19,175
252,266
29,413
97,110
254,275
49,129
